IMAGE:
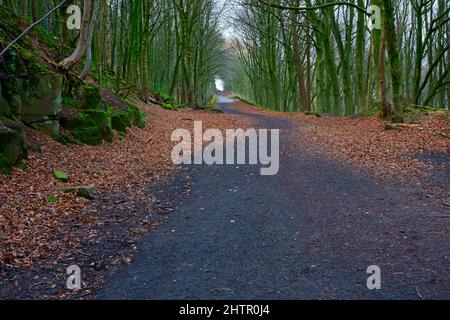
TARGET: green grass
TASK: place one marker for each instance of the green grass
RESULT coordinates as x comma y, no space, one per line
251,103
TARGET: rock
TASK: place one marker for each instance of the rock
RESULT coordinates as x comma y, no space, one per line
60,175
89,120
63,139
89,135
83,192
120,121
13,146
136,117
102,120
10,92
50,127
4,105
312,113
91,97
33,98
41,101
35,148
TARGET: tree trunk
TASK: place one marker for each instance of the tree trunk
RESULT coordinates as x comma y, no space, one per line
34,10
386,106
298,64
76,56
87,65
394,60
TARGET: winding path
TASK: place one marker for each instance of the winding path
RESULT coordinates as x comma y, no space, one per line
309,232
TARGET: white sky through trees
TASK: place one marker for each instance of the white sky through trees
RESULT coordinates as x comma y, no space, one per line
228,9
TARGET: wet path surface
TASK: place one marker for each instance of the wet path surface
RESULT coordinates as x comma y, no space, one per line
309,232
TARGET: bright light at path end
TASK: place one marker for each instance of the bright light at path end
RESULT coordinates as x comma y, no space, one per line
220,85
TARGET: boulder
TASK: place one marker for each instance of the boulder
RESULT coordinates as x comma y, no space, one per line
91,98
11,103
50,127
136,117
120,121
13,146
4,105
60,175
83,192
41,102
102,120
89,126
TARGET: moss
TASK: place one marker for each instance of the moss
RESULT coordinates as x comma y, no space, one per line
312,113
168,102
68,101
211,103
91,96
7,170
447,116
22,166
79,95
136,117
83,192
102,120
63,139
52,199
373,109
88,135
43,36
249,102
9,24
91,126
60,175
120,121
13,147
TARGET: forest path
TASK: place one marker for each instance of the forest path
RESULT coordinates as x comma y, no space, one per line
309,232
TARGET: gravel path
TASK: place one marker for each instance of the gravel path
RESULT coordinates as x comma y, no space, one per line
309,232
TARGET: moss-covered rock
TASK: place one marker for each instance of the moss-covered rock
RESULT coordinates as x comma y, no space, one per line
88,135
10,85
313,113
82,96
91,97
120,121
41,98
102,120
136,117
5,110
13,146
60,175
33,98
34,93
83,192
50,127
90,126
63,139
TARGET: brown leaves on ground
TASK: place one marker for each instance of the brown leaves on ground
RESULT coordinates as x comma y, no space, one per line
31,226
365,142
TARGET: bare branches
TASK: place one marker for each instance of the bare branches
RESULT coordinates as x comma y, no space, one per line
31,27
